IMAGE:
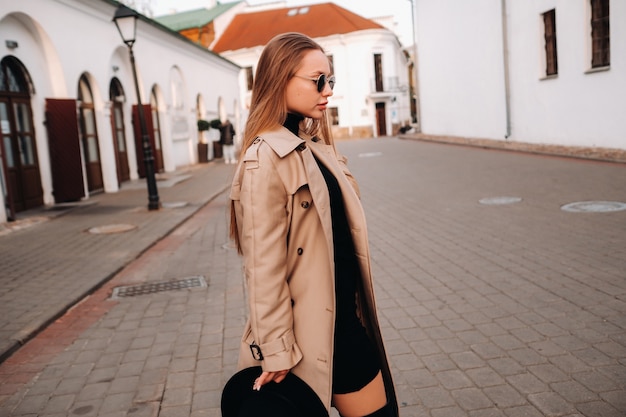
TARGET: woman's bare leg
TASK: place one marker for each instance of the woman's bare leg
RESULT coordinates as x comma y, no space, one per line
370,398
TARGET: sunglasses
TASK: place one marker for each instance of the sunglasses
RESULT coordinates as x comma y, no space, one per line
321,81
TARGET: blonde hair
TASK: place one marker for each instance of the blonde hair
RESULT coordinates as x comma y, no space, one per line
279,61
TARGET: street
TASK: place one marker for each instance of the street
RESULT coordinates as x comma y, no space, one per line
494,300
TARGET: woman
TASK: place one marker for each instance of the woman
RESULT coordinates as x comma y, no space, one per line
297,220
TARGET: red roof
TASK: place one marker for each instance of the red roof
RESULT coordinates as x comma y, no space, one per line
317,20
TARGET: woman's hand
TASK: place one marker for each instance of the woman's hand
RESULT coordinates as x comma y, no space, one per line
266,377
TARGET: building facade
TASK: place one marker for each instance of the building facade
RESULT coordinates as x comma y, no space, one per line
372,95
68,106
543,72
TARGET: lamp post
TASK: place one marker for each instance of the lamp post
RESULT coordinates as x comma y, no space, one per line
126,21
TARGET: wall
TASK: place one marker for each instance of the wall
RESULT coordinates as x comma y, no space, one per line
462,68
578,107
58,41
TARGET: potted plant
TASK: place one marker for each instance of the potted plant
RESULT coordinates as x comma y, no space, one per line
203,147
217,146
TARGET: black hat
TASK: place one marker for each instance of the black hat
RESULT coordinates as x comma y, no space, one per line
291,397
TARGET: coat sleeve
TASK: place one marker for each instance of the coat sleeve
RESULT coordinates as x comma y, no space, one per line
264,225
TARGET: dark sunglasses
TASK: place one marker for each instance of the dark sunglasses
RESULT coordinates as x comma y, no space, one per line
321,81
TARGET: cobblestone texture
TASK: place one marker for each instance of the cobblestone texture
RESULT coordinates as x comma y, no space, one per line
505,311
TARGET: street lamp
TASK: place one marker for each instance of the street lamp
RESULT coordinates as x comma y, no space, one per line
126,21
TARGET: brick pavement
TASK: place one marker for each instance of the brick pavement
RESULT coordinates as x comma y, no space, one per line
52,261
487,310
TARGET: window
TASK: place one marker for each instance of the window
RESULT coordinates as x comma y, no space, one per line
549,23
249,78
333,116
600,36
378,71
178,89
331,61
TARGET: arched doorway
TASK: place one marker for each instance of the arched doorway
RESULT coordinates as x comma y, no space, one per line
89,136
156,127
117,97
21,179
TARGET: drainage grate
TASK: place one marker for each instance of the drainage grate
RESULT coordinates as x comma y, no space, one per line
154,287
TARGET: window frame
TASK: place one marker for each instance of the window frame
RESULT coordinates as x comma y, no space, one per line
600,34
333,116
551,67
249,76
378,73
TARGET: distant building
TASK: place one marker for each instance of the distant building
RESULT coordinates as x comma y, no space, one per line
68,101
541,72
372,96
201,25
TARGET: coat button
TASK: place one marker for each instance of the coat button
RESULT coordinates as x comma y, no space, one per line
300,250
304,204
257,140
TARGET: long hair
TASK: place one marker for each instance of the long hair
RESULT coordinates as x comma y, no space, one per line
280,60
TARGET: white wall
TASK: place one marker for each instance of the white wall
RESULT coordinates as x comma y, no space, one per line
577,107
60,40
460,67
462,73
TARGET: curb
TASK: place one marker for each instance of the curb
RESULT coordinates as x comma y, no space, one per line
589,153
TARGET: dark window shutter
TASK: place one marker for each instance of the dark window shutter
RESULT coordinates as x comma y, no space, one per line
64,146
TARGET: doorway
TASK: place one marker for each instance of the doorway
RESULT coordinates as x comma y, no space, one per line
89,136
381,120
19,165
116,95
159,166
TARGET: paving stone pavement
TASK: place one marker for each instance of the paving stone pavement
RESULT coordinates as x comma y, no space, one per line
49,259
487,309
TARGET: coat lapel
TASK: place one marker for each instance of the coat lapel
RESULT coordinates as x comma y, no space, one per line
319,192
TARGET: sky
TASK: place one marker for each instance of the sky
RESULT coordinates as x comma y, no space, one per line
399,9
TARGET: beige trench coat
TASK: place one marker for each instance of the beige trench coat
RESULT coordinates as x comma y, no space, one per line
283,215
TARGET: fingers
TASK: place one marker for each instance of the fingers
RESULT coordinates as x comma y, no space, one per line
266,377
260,381
280,376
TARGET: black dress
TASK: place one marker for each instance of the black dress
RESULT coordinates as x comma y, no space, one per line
355,361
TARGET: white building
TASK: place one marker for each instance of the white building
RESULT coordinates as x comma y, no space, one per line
523,71
372,94
67,96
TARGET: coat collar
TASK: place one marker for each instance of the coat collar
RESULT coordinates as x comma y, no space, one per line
282,141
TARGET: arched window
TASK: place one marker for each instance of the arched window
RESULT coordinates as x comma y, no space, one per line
19,167
178,90
117,97
156,126
89,135
15,78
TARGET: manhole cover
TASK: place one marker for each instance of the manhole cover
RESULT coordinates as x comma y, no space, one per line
112,228
174,204
369,154
154,287
594,206
498,201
